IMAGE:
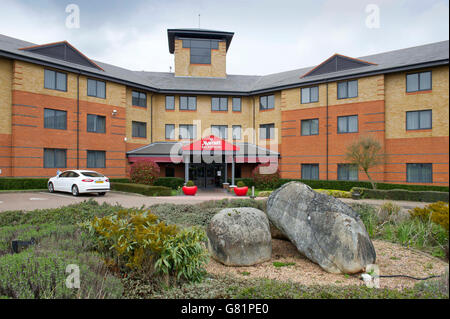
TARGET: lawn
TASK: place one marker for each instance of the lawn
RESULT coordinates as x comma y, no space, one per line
63,237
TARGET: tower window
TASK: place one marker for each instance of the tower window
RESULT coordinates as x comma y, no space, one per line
200,49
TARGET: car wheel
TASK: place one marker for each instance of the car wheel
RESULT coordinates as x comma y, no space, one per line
101,194
51,189
75,191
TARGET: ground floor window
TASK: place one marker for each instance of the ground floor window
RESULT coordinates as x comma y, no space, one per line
347,172
96,159
419,173
55,158
310,171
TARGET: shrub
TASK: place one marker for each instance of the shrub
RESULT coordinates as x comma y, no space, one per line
171,182
335,193
401,194
139,241
247,181
142,189
190,184
144,172
436,212
263,180
120,180
240,184
23,183
264,193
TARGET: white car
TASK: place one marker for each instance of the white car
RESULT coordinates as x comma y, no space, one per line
79,181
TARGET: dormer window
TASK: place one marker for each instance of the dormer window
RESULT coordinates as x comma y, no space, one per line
200,49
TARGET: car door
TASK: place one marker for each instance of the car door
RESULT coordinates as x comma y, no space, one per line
69,181
59,181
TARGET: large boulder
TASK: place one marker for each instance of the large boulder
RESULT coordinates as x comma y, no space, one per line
323,228
239,236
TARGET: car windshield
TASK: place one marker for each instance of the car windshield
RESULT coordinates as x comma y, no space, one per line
92,174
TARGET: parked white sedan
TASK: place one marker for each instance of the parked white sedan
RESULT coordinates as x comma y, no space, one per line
79,181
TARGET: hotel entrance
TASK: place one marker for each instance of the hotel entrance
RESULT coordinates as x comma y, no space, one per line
207,175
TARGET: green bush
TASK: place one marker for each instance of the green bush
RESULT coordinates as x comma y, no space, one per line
240,184
147,190
190,184
335,193
144,172
247,181
265,181
401,194
436,212
120,180
22,183
264,193
171,182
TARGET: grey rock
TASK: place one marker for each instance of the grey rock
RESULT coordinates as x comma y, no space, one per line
239,236
323,228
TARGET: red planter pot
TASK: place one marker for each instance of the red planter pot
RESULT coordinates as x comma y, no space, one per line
189,190
241,191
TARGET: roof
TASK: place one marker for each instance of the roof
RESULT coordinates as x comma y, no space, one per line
197,33
393,61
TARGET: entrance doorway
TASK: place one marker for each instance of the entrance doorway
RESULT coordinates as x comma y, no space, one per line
207,175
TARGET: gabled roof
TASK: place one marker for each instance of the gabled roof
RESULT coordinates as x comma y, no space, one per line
210,143
62,51
335,63
197,33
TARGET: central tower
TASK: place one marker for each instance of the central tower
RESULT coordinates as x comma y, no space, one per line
199,52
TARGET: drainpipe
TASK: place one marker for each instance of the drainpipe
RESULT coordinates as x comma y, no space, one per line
327,133
254,123
78,120
151,119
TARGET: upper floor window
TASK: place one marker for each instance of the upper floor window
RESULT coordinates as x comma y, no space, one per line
96,159
419,120
347,124
96,123
420,81
237,132
200,49
419,173
188,103
96,88
237,104
55,119
266,131
139,129
310,127
139,98
188,131
55,80
310,171
267,102
219,131
55,158
170,131
170,102
310,95
347,89
219,104
347,172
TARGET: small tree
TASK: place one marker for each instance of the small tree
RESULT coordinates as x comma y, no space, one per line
365,152
144,172
266,176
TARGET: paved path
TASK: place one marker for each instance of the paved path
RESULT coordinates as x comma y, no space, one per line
39,200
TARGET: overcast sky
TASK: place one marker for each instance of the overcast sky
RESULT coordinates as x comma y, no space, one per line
270,36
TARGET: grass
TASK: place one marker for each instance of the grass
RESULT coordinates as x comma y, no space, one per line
279,264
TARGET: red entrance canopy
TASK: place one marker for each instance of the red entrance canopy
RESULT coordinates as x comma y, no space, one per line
211,143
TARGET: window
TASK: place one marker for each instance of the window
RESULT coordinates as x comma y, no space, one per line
219,131
266,131
55,80
348,124
237,104
96,88
419,173
419,120
200,49
267,102
188,131
347,89
170,171
170,102
96,123
418,81
55,119
139,129
188,103
219,104
55,158
310,127
310,171
170,131
237,132
139,98
96,159
347,172
310,95
92,174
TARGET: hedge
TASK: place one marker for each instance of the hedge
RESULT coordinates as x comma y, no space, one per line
119,180
142,189
171,182
401,194
22,183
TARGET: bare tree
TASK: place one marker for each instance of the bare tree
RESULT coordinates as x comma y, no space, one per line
365,152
